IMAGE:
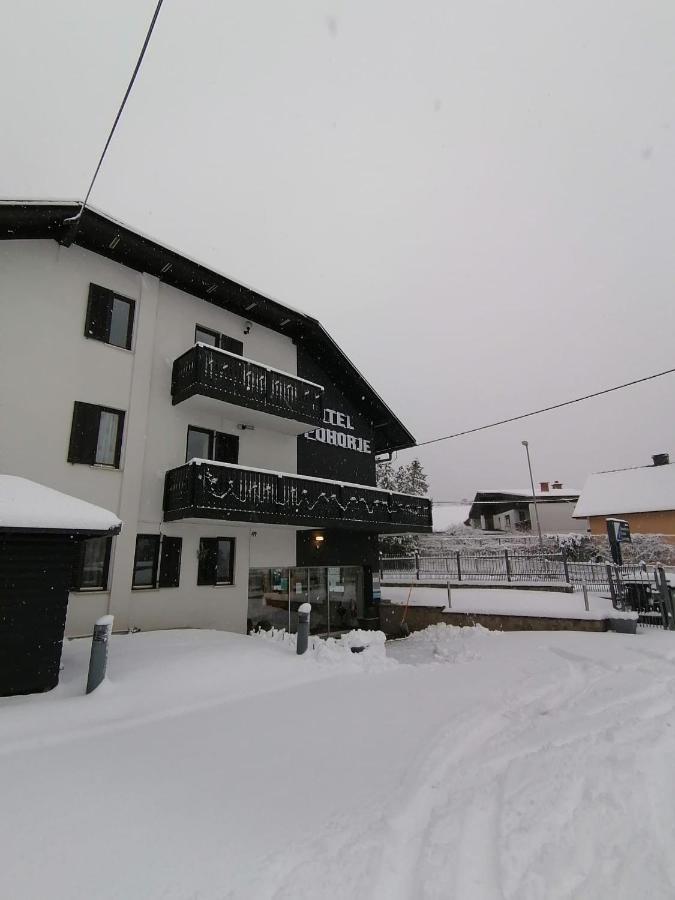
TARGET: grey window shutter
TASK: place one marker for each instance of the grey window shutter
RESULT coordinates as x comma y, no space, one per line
169,566
208,557
84,433
228,343
99,311
226,448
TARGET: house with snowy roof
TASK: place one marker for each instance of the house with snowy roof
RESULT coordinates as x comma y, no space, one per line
228,432
513,510
644,496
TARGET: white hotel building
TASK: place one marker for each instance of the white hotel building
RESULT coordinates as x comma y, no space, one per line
229,433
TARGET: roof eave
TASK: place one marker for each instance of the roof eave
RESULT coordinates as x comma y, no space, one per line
99,233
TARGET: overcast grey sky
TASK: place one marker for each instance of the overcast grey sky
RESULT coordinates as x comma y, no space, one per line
476,197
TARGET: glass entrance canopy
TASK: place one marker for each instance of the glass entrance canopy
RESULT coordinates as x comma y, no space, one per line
335,593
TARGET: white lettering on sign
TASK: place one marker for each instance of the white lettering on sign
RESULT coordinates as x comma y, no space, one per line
338,438
333,417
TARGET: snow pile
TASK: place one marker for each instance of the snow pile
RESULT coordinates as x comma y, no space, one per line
508,602
27,504
342,651
442,643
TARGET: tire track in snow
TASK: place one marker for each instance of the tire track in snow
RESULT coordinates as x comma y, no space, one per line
477,873
442,835
396,838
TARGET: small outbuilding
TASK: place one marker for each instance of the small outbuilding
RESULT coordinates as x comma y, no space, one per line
41,530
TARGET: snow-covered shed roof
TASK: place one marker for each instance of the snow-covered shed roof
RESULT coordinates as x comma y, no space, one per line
643,489
100,233
27,505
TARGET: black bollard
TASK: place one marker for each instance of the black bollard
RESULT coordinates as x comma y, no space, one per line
304,612
99,652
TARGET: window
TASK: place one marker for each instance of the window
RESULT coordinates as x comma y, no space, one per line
90,572
157,561
216,561
146,560
110,318
215,445
96,435
206,336
198,443
216,339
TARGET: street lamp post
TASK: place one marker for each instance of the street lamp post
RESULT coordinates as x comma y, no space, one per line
534,495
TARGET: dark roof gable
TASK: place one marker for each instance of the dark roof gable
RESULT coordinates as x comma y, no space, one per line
102,235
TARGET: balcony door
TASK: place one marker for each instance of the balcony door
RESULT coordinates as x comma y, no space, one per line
214,445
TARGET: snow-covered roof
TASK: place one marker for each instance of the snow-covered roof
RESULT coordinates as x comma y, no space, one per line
27,504
526,493
644,489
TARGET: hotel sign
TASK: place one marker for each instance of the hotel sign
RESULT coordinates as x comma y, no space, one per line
339,435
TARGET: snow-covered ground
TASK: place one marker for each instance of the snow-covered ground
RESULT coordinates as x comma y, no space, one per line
463,763
549,604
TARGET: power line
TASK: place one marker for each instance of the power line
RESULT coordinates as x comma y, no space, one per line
523,499
537,412
75,220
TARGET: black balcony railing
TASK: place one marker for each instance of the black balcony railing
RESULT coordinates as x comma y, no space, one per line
225,376
218,491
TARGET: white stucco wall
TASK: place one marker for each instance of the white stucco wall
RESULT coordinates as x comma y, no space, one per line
46,363
556,518
501,524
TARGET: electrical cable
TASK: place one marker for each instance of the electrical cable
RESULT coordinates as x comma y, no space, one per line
74,220
544,409
509,499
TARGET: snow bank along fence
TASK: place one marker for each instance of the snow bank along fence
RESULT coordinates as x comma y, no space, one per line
647,590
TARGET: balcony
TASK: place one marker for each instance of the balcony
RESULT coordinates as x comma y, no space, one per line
257,395
208,490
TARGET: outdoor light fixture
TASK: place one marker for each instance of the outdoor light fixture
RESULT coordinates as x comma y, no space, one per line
211,289
115,241
319,538
247,327
165,268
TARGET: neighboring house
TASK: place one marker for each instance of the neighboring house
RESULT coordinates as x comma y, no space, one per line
228,432
513,510
644,496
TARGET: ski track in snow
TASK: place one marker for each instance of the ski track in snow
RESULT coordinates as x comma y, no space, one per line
506,795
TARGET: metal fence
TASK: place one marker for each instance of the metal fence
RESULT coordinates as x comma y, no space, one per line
506,567
509,567
647,590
